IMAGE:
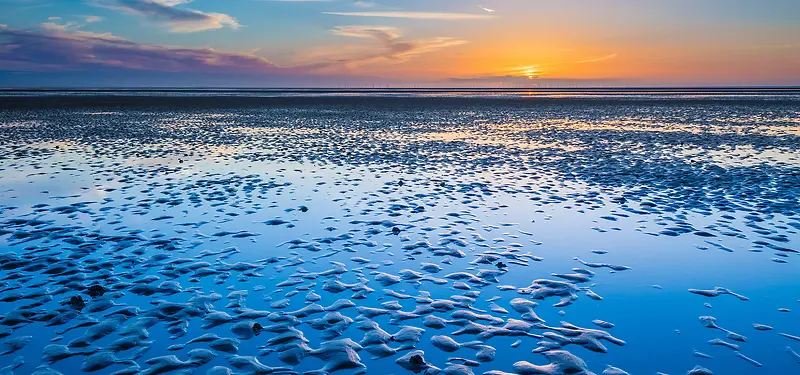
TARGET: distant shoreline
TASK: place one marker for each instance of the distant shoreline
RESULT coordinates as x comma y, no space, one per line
367,100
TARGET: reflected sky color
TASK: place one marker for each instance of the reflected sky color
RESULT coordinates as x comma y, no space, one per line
443,43
674,192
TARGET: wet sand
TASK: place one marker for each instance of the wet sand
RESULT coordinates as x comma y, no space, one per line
436,233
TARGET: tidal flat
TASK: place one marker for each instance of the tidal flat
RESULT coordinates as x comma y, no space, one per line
429,233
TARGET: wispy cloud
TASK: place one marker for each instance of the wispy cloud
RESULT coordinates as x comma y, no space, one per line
417,15
598,59
179,19
93,19
65,47
391,46
364,4
11,6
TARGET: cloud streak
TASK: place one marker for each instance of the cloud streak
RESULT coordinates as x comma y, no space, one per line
417,15
598,59
178,19
510,81
391,45
63,47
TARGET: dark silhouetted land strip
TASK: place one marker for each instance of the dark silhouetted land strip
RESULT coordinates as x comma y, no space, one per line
30,99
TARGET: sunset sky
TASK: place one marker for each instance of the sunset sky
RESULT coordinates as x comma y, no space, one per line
443,43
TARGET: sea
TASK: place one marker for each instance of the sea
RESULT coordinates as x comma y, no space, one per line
415,231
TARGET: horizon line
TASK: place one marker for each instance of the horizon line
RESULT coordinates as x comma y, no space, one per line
356,89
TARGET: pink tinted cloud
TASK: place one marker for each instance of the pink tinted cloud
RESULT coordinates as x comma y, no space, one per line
64,47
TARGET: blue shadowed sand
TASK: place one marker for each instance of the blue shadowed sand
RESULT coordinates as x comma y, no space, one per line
434,233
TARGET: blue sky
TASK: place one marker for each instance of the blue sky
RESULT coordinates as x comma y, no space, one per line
395,42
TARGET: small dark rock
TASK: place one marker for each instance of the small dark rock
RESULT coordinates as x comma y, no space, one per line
77,303
96,291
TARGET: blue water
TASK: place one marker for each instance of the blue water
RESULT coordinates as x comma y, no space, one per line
539,175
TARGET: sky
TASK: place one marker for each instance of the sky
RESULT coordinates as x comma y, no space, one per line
399,43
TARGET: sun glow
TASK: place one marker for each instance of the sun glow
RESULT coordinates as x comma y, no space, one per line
530,71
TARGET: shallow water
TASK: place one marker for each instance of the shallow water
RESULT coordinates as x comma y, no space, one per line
345,225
